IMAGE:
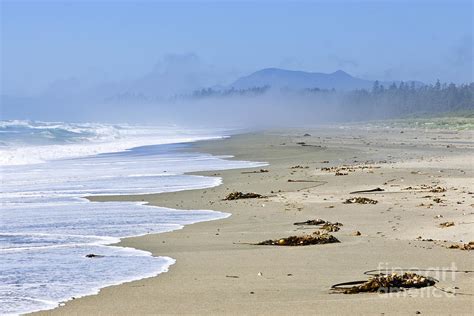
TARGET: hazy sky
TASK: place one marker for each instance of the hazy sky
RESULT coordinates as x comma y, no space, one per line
96,41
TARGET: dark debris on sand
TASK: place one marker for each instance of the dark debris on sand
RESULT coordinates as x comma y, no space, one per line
92,255
239,195
360,200
325,225
315,239
383,283
311,222
368,191
468,246
256,171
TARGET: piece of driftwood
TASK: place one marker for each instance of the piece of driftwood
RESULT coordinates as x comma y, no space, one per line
255,171
368,191
311,222
291,180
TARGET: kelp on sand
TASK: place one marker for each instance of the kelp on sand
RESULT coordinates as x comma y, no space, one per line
314,239
385,283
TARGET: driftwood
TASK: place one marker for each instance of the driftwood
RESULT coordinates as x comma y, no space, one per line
256,171
291,180
368,191
307,145
311,222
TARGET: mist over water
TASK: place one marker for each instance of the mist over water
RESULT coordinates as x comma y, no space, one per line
266,106
78,62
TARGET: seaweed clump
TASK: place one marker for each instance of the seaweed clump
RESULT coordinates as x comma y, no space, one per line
344,170
299,167
331,227
239,195
325,225
438,190
468,246
314,239
360,200
446,224
432,189
383,283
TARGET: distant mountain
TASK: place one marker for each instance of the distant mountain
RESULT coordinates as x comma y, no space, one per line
281,78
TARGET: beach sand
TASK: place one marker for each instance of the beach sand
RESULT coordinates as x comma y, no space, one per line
219,271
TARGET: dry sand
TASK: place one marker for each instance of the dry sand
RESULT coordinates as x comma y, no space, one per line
218,273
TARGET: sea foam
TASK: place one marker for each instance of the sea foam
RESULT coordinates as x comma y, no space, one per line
47,227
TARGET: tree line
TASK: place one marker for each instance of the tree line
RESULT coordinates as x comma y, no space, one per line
403,99
395,100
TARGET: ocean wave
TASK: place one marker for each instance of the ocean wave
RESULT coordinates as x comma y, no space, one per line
33,142
48,227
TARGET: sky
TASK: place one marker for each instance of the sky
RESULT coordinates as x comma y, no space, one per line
43,43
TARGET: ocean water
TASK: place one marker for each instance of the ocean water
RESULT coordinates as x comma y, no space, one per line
46,226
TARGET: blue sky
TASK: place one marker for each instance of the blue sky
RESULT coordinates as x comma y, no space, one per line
100,41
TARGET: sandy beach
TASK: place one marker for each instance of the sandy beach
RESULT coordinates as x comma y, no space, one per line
219,270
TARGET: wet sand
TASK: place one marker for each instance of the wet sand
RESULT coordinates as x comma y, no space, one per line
218,271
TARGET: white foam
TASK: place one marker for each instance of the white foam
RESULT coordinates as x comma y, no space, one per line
86,139
47,227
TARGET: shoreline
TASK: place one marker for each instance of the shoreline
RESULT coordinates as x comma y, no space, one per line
162,263
217,275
